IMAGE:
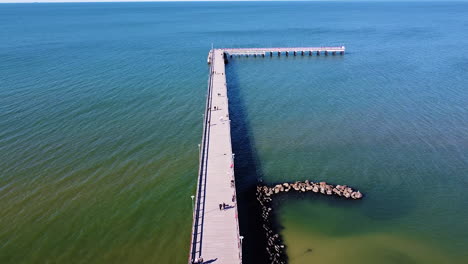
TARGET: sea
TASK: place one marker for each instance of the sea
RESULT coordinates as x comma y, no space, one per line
101,109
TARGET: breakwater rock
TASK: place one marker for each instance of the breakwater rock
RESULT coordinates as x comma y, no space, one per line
307,186
275,246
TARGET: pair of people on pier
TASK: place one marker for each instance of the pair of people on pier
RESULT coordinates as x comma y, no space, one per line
223,206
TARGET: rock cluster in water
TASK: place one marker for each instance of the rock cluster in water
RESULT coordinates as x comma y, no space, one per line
306,186
275,247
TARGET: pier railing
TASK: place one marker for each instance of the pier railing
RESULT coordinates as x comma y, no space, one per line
239,237
197,225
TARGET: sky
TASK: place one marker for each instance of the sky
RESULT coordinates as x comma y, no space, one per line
61,1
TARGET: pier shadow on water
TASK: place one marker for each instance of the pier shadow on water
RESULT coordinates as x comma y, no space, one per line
248,172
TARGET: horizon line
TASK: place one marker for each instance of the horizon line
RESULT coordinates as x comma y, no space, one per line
136,1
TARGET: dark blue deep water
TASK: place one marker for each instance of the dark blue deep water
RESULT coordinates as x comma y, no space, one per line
101,112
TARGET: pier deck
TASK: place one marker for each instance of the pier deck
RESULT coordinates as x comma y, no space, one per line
216,232
248,51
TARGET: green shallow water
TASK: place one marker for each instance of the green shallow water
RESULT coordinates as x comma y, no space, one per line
101,114
331,236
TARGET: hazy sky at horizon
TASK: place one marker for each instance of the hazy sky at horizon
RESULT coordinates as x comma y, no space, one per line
61,1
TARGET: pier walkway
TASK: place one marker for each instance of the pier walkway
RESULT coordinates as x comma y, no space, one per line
295,51
215,231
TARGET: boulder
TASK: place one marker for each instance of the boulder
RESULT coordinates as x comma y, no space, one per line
358,195
336,191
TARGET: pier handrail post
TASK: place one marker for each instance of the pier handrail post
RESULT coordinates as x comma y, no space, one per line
193,205
241,238
199,149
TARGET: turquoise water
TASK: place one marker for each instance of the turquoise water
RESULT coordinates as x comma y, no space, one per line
101,109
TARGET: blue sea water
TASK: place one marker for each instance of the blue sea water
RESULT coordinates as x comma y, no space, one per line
100,117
